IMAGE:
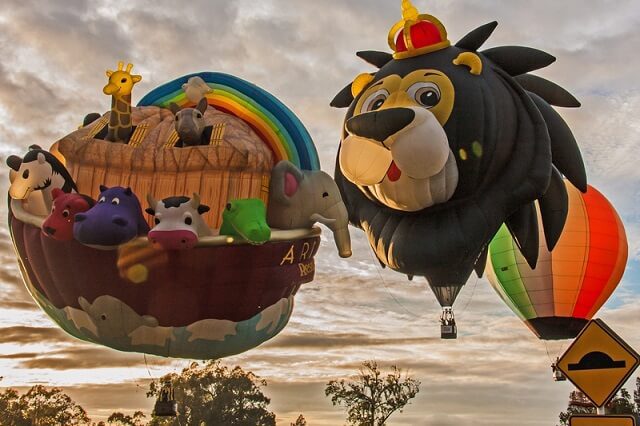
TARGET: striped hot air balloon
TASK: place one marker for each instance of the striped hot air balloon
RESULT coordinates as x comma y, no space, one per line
570,283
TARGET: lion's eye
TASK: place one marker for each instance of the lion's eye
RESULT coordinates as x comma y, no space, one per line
425,93
375,100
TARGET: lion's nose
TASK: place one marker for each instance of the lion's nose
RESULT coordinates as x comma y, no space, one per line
379,125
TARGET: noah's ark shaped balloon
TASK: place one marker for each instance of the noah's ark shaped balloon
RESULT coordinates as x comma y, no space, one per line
182,227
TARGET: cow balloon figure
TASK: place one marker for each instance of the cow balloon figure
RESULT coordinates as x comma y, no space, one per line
178,222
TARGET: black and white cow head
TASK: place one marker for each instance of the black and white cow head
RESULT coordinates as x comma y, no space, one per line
178,222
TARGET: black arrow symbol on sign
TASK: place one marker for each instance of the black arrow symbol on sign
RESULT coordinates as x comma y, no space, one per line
596,361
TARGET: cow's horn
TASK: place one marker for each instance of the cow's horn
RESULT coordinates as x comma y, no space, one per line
152,201
195,201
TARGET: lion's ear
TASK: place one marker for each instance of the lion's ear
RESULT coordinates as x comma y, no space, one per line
360,83
470,60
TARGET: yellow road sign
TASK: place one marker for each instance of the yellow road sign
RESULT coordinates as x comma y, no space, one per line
602,421
598,362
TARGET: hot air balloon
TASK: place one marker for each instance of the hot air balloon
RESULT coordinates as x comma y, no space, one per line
569,283
222,297
444,143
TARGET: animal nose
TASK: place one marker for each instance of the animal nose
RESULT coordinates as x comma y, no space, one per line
120,221
173,240
379,125
49,230
80,217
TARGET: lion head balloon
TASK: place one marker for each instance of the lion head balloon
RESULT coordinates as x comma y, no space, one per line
444,143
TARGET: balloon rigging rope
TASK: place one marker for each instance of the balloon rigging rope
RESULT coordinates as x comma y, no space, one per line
378,268
548,354
147,365
473,291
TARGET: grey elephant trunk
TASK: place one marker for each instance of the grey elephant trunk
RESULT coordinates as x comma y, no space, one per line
336,218
343,241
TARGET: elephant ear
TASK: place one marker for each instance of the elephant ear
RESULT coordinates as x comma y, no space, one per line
285,181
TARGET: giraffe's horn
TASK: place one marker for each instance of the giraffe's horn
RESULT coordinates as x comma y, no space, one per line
120,65
129,67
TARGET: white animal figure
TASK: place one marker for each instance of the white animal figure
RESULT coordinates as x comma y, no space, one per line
211,329
35,176
195,88
151,336
179,222
270,317
113,318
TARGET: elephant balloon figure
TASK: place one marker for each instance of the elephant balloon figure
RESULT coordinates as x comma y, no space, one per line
300,198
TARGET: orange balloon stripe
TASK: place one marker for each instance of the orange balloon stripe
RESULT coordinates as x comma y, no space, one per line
570,255
603,251
618,269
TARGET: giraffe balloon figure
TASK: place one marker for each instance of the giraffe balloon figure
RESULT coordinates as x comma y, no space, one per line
120,85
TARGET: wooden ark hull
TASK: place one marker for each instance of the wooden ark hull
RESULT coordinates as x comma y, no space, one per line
212,301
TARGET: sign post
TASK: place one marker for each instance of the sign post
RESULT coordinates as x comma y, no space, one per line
598,363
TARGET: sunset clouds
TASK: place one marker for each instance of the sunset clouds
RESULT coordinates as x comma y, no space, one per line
52,62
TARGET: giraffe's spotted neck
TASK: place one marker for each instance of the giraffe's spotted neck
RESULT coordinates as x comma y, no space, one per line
120,119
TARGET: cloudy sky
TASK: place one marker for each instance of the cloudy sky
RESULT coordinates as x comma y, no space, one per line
52,63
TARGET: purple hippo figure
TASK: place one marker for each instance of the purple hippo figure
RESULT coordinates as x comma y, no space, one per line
115,219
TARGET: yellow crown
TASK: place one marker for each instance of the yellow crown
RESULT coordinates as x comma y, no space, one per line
416,34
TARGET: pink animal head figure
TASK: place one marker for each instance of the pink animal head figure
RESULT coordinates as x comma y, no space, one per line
59,224
178,222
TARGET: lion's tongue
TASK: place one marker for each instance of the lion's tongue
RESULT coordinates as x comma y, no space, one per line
394,172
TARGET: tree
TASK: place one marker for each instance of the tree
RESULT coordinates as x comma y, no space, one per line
621,403
370,398
120,419
216,394
40,406
300,421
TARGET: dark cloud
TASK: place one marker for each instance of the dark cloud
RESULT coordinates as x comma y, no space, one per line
24,334
311,341
87,358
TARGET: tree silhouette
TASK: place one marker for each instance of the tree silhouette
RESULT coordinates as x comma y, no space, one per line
621,403
215,394
121,419
370,398
300,421
40,406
